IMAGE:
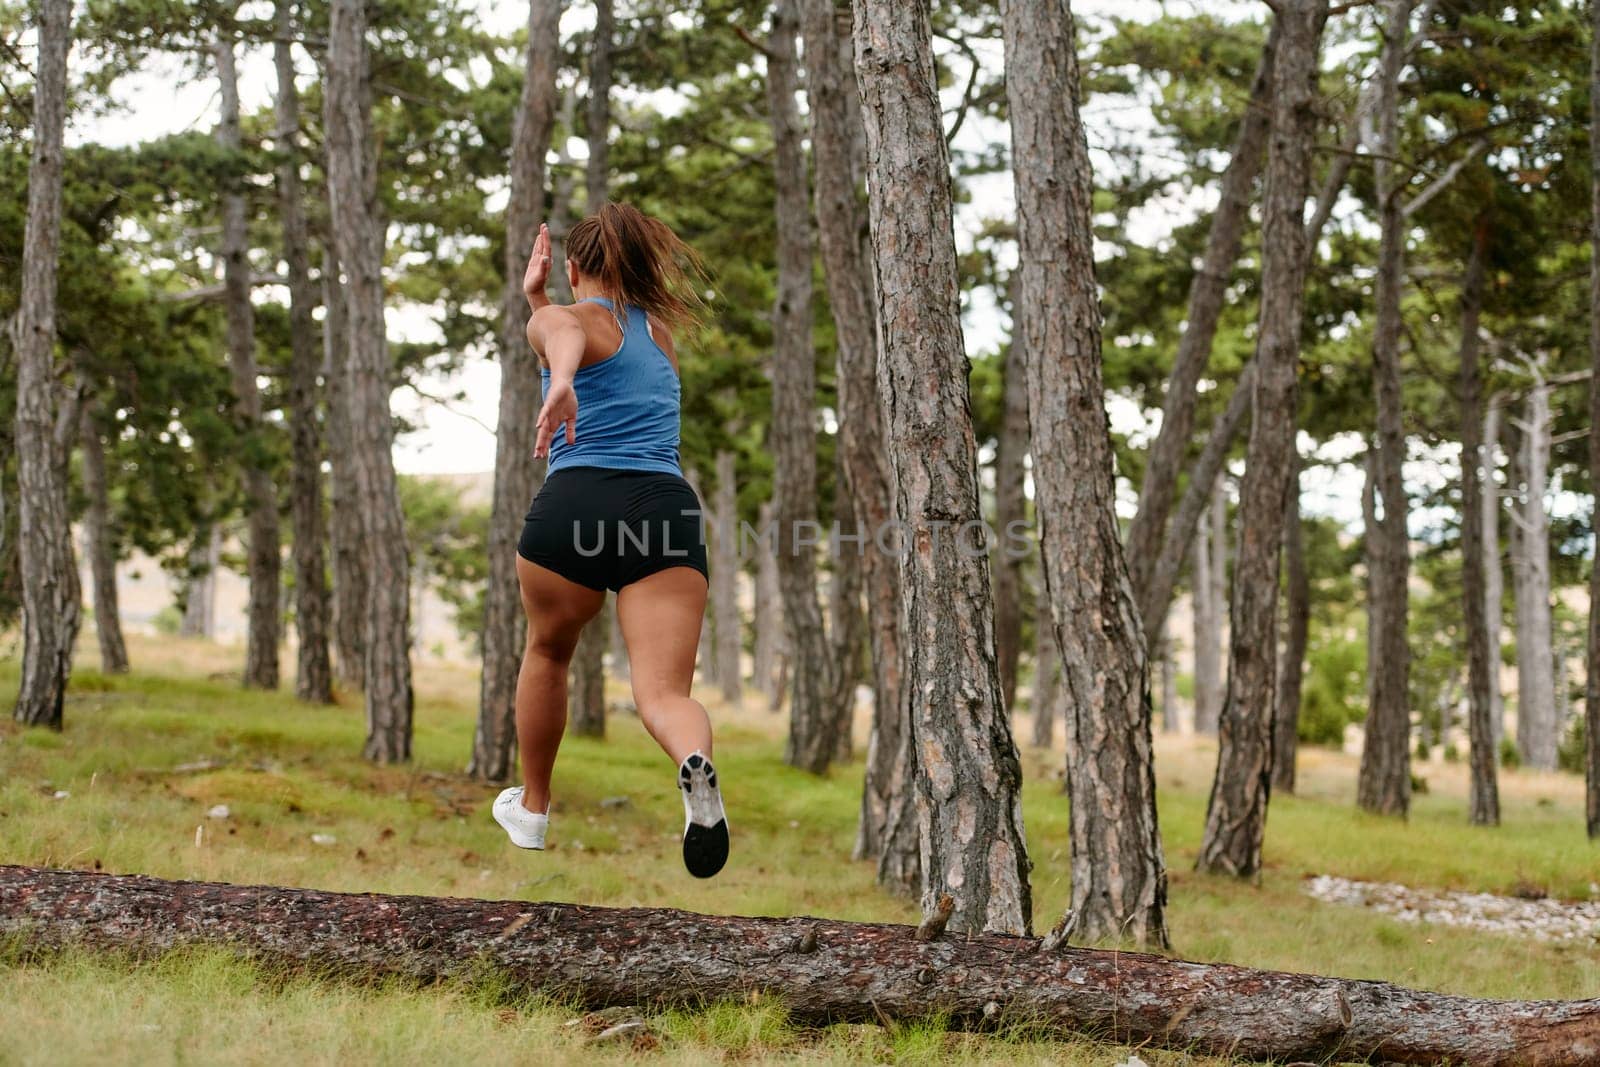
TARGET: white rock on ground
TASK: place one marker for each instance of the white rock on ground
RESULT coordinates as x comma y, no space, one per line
1543,920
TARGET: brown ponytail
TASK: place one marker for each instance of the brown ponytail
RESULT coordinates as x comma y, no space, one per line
639,260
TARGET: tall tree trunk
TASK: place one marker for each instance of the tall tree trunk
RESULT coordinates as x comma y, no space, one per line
349,557
725,578
516,474
1494,582
1291,669
1169,686
200,583
813,674
313,673
1591,691
1536,704
352,182
1207,293
842,239
263,550
1046,674
770,642
962,761
51,611
1372,557
1237,812
1484,801
1010,505
1119,879
1209,578
588,683
597,109
1384,784
99,546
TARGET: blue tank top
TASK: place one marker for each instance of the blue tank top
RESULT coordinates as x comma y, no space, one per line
627,406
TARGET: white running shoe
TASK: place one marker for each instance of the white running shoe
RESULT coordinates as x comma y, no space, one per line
525,829
705,829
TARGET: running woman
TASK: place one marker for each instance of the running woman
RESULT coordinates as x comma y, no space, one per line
615,512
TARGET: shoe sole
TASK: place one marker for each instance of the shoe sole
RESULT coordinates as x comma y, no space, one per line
705,845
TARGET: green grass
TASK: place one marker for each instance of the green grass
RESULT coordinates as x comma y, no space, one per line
288,772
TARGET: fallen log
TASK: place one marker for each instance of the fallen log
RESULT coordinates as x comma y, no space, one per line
822,971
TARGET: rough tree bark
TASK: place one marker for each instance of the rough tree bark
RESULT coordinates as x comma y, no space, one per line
1591,698
1210,593
51,611
349,560
352,182
1237,810
99,546
262,543
770,642
597,108
313,672
1119,881
1536,700
516,473
842,240
1206,297
1494,579
963,763
793,435
1484,799
1297,627
1010,504
725,578
822,971
1384,783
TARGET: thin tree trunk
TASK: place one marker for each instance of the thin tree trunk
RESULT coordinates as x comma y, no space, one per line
516,474
770,641
725,579
1209,578
1536,711
349,558
313,673
822,971
352,182
99,546
1591,691
200,583
1046,674
842,238
1119,880
1291,669
1010,504
794,423
1207,293
1237,811
1384,783
597,109
847,623
1484,803
966,774
264,564
619,649
1169,686
51,611
588,684
1494,584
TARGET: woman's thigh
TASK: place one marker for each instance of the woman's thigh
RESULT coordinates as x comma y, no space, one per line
661,617
557,608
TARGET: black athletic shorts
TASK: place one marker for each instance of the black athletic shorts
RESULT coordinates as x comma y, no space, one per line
608,528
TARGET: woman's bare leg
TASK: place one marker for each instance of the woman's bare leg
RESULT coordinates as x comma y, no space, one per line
557,610
660,618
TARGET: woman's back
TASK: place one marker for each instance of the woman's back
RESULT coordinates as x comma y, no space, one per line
628,404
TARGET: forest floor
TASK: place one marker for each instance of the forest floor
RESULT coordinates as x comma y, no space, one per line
174,771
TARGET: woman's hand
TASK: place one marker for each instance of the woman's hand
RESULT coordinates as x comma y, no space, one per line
538,272
560,408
